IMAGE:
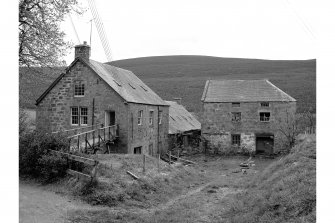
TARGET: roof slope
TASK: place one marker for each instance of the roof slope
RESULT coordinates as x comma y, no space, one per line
180,119
124,82
243,91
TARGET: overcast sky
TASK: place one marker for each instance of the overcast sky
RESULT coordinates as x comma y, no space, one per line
276,29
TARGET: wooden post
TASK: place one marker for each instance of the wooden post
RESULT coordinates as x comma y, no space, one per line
159,156
93,135
109,133
104,134
178,153
85,142
143,163
78,147
99,137
170,158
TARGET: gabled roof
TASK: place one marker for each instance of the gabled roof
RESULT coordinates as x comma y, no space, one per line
123,82
180,119
243,91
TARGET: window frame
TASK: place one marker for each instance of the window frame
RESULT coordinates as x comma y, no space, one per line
151,118
265,104
264,120
233,116
79,86
79,116
238,140
140,117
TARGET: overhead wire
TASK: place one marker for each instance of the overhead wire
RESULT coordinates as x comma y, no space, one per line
100,28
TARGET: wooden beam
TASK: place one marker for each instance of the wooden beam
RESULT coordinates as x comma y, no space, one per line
133,175
188,161
87,161
79,175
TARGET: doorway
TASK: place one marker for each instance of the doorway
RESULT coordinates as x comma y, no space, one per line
109,118
264,144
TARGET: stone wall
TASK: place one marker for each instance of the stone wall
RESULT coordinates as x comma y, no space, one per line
145,134
217,126
54,111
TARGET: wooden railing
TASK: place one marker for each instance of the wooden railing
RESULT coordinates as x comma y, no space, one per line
93,139
75,131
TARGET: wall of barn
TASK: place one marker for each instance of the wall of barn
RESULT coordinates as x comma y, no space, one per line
143,135
217,126
54,114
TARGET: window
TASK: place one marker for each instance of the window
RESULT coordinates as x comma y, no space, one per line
264,104
74,116
160,117
264,116
236,116
236,140
138,150
79,89
83,116
151,118
139,117
235,104
151,149
79,116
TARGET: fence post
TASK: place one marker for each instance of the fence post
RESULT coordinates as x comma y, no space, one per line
158,162
85,142
143,163
78,147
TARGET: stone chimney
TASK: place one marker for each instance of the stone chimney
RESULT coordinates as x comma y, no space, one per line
83,51
178,100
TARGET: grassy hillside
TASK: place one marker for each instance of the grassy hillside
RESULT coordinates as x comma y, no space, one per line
283,192
185,76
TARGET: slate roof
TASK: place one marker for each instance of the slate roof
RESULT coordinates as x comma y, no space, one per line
124,82
243,91
180,119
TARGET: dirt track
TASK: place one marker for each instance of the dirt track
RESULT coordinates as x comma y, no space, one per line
40,205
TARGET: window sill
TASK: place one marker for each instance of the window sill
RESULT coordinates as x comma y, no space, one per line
79,96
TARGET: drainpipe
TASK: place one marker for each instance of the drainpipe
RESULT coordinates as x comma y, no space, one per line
158,149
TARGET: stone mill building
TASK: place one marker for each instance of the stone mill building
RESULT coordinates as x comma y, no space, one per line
91,93
244,114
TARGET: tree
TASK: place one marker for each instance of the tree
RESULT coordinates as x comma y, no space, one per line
41,41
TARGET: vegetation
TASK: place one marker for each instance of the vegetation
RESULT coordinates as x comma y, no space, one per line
35,159
185,76
283,192
41,42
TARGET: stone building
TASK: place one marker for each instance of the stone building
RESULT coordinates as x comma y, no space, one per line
184,128
245,114
91,93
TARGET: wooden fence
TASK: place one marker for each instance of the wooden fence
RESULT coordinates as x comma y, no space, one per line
310,130
86,161
75,131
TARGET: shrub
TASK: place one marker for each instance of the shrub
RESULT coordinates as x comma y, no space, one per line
35,159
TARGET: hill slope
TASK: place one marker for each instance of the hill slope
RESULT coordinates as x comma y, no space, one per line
185,76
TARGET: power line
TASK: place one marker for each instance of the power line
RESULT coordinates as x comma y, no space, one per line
101,30
74,28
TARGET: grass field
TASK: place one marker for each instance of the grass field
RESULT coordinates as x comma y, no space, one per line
185,77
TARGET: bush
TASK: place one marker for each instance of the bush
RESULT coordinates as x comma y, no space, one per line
35,158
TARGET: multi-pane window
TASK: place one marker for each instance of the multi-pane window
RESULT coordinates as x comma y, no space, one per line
74,116
236,116
139,117
160,117
83,116
79,116
235,104
236,139
151,117
264,116
79,89
264,104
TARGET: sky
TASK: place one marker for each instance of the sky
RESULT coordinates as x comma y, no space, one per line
276,29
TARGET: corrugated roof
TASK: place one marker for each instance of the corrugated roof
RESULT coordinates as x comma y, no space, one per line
124,82
180,119
243,91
